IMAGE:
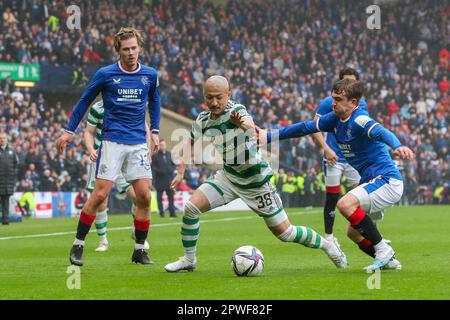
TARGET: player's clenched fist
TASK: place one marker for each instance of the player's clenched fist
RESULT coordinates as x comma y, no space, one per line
176,181
404,153
62,141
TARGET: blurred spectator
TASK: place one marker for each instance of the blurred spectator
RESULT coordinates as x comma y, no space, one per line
67,185
48,182
27,203
8,173
163,169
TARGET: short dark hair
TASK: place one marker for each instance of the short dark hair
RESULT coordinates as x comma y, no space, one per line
352,89
348,72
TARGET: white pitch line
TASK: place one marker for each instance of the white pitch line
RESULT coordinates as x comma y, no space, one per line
152,226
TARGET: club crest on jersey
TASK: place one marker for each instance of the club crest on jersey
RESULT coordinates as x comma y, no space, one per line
143,162
349,133
144,80
116,81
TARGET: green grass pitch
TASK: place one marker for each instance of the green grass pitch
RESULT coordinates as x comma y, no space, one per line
36,267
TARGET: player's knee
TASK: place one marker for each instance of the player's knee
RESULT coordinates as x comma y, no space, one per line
288,235
143,199
101,196
344,206
191,211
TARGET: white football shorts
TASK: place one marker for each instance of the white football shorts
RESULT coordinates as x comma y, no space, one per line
131,161
121,183
333,174
378,194
263,200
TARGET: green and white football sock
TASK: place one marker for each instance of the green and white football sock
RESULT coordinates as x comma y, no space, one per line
190,230
101,222
303,235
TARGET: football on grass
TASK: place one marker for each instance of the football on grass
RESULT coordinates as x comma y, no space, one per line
247,261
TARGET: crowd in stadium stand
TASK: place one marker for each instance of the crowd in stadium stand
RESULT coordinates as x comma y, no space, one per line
281,58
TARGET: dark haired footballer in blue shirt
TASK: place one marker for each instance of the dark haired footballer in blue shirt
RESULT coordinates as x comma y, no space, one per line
335,166
126,87
362,142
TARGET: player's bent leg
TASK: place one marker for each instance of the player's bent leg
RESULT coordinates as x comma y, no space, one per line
87,217
364,244
142,220
349,206
286,232
190,230
101,223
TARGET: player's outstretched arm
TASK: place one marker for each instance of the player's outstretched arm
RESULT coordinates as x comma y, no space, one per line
380,133
296,130
292,131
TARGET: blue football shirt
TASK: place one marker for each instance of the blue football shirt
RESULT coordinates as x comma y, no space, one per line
125,95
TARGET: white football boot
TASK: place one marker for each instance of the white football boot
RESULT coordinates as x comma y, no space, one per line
102,246
182,263
393,264
333,239
335,254
382,257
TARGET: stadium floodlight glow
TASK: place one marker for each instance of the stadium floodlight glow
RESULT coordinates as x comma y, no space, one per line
25,84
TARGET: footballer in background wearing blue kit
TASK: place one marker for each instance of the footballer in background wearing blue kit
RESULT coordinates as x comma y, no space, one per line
362,141
335,166
125,86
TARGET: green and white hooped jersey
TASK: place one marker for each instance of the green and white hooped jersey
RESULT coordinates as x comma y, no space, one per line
243,163
95,119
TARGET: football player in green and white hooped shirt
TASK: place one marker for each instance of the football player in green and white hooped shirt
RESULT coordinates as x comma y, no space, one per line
93,140
244,175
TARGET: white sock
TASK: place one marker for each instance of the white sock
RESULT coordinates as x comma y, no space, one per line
380,245
78,242
138,246
190,254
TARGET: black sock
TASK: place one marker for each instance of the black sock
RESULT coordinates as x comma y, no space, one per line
84,225
368,230
141,236
329,211
82,230
141,230
367,247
